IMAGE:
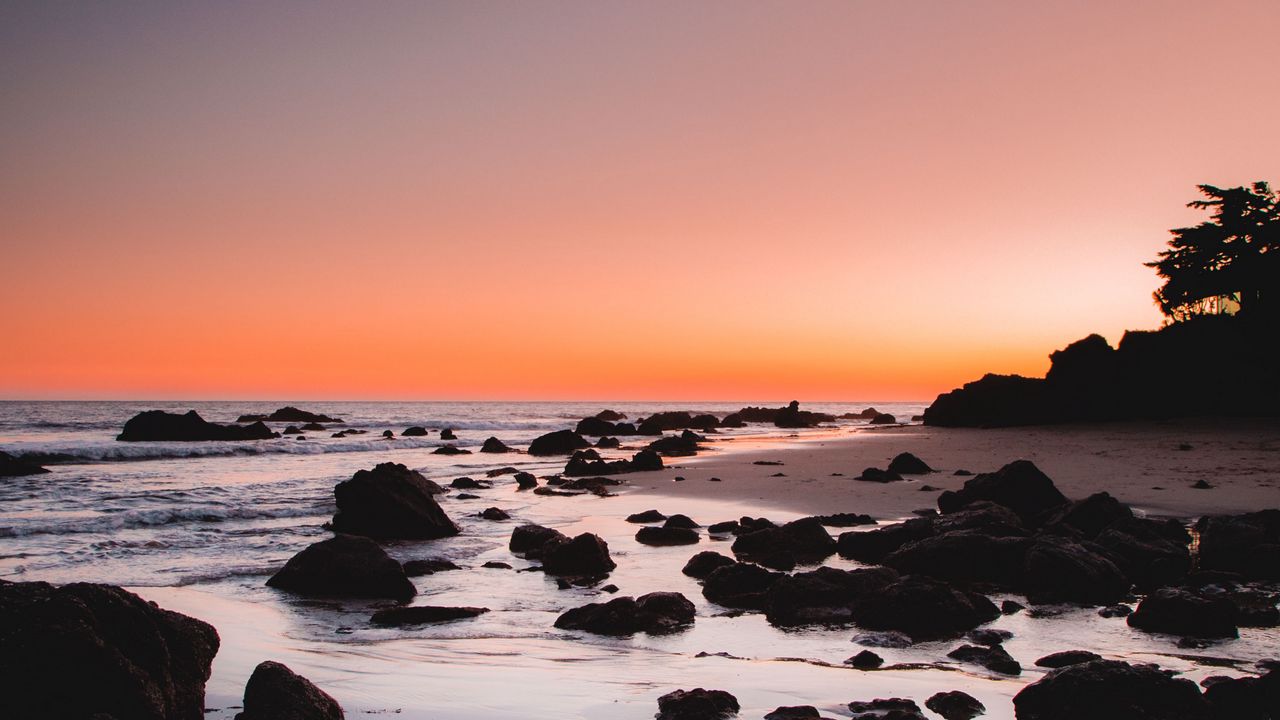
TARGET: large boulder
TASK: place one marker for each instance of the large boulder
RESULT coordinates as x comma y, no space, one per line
964,556
825,596
652,613
595,427
1060,570
344,566
274,692
1110,690
665,536
1019,486
1183,612
533,541
706,562
804,541
586,554
994,401
955,705
158,425
560,442
11,466
923,608
1246,544
1147,552
741,585
697,704
390,501
494,445
98,651
290,414
908,464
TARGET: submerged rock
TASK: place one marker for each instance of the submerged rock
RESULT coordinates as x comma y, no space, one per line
391,501
1067,657
290,414
648,516
415,431
158,425
494,445
1182,612
99,651
697,704
1110,690
344,566
11,466
423,614
274,692
652,613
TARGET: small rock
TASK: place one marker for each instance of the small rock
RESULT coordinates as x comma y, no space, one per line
865,660
955,705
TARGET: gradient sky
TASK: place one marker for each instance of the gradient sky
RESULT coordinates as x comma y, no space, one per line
599,200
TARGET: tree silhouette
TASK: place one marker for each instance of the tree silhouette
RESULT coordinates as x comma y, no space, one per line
1231,260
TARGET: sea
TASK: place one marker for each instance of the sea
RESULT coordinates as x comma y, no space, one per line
198,527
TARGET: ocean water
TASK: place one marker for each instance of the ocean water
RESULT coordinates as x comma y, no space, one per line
199,527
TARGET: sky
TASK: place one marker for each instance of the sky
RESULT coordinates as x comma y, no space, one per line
600,200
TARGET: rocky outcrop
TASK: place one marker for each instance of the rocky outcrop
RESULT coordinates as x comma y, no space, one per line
683,444
390,501
741,585
494,445
158,425
884,419
653,613
924,609
1110,690
995,659
826,596
1246,544
11,466
955,705
289,414
799,541
274,692
584,555
98,651
643,461
1183,612
344,566
423,615
560,442
1019,486
697,704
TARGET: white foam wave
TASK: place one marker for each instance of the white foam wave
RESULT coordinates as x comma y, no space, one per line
156,517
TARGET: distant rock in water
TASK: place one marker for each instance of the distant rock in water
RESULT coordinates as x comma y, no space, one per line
448,434
494,445
611,415
99,651
274,692
423,615
391,501
790,416
290,414
560,442
415,431
11,466
450,449
653,613
643,461
1212,365
158,425
884,419
344,566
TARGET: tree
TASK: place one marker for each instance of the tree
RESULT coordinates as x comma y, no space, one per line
1232,259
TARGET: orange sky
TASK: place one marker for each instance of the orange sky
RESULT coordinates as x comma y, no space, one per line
716,200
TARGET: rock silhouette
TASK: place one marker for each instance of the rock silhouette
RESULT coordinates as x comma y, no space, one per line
158,425
274,692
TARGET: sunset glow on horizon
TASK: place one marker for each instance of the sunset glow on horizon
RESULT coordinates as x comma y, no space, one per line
649,201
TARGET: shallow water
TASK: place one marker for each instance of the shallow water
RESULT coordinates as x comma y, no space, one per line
201,533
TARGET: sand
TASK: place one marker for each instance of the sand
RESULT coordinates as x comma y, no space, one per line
1150,465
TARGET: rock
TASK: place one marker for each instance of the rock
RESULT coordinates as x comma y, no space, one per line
390,501
741,585
593,484
494,513
1201,485
886,709
415,431
995,659
662,536
648,516
955,705
652,613
792,416
608,443
1067,657
494,445
697,704
533,540
865,660
1246,544
994,401
825,596
466,496
681,521
595,427
1019,486
466,483
416,568
705,563
884,419
450,449
645,460
388,434
805,540
793,712
877,475
1010,607
1059,570
728,527
424,614
290,414
1182,612
11,466
988,636
964,556
661,422
1245,698
1115,611
99,651
675,445
874,546
291,430
1092,515
344,566
158,425
1110,690
448,434
923,608
732,420
845,520
560,442
611,415
525,480
908,464
499,472
496,565
274,692
586,554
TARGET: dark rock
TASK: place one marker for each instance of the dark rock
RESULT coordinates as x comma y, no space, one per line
675,445
560,442
648,516
995,659
313,427
955,705
1145,554
290,414
1182,612
494,513
792,416
659,423
344,566
1246,544
741,585
1110,690
1092,515
291,430
158,425
388,434
525,480
652,613
415,431
793,712
728,527
466,483
923,608
466,496
845,520
661,536
1019,486
1115,611
963,473
450,449
390,501
988,636
11,466
1201,485
423,614
447,434
681,521
274,692
805,540
1245,698
697,704
595,427
705,563
865,660
886,709
825,596
1010,607
964,556
884,419
586,554
494,445
908,464
877,475
1067,657
416,568
496,565
1255,608
98,651
873,546
645,460
732,420
608,443
533,541
1059,570
593,484
611,415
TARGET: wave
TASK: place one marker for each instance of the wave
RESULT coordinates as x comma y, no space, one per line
168,451
158,517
